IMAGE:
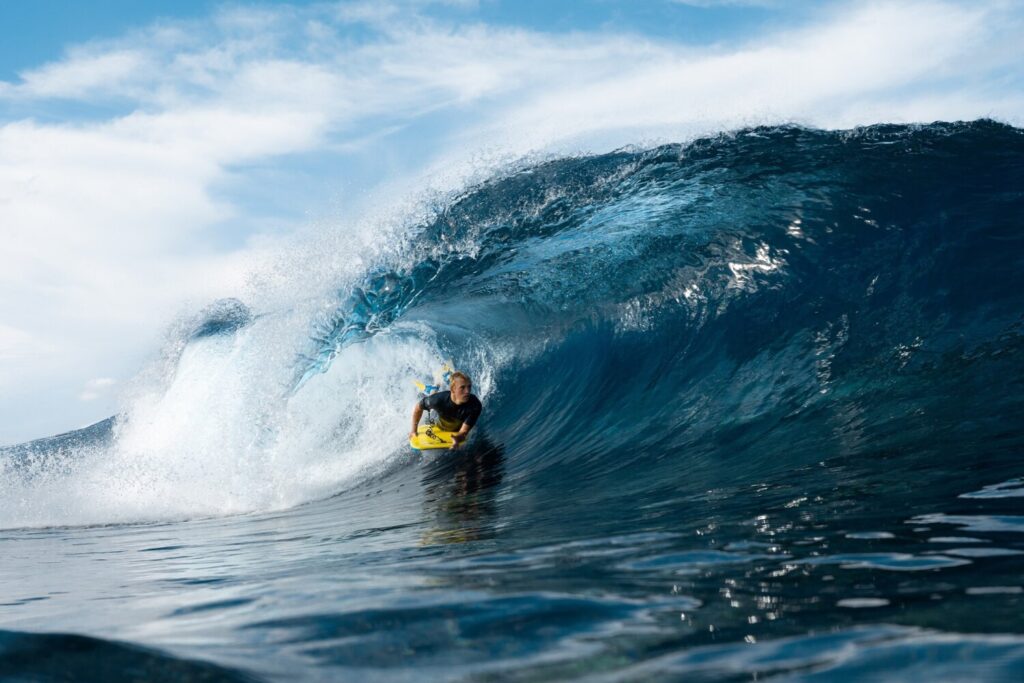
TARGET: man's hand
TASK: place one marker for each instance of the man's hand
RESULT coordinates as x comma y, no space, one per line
457,440
412,434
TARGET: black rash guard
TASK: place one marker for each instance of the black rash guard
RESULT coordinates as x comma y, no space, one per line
452,416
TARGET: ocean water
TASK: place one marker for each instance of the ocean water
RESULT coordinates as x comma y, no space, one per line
752,411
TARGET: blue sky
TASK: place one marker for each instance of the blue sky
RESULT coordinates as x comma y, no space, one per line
157,155
36,32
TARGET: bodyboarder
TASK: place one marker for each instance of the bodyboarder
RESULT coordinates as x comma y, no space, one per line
457,409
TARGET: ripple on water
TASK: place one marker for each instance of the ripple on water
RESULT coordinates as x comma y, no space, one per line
693,560
870,535
1011,523
53,656
1014,488
982,552
899,562
857,603
889,653
754,545
462,631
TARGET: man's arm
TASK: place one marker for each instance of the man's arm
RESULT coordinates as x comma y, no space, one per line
470,422
417,413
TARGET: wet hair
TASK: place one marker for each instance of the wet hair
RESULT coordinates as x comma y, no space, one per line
460,375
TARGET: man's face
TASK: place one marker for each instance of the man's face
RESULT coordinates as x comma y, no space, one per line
460,390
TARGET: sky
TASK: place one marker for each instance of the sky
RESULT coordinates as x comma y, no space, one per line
156,156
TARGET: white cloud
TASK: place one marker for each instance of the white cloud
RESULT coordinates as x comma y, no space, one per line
16,345
832,74
87,76
96,387
110,224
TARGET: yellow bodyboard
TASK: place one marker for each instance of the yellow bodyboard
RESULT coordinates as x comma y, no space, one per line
429,436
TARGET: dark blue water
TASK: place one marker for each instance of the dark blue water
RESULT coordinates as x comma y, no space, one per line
752,411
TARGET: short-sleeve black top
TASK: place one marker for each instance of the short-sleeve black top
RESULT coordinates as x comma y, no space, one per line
453,416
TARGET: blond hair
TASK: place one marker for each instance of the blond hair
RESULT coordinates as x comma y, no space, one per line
459,375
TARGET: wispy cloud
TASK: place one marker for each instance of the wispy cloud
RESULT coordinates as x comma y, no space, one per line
15,346
113,219
872,63
84,76
95,388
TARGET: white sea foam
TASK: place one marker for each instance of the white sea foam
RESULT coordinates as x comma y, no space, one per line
224,434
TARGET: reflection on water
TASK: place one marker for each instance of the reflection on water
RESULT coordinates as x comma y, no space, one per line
459,492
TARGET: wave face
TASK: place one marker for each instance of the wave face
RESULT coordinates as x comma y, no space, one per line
735,308
737,392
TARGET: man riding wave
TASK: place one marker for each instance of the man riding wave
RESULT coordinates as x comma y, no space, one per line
457,409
